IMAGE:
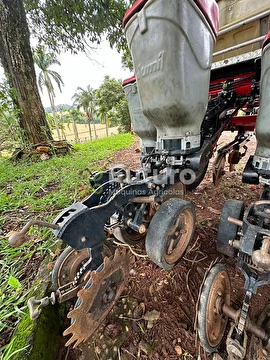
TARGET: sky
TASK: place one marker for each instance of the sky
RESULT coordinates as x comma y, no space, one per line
79,70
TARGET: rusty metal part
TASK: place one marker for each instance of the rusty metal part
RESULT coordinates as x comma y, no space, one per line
261,258
141,229
235,244
69,291
218,169
179,236
235,221
74,272
250,326
97,298
231,312
70,265
133,235
17,238
200,292
143,199
216,321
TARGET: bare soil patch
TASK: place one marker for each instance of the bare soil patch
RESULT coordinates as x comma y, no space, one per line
172,296
168,297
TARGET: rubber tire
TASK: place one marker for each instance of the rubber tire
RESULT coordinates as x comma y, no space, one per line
199,178
227,230
162,221
203,302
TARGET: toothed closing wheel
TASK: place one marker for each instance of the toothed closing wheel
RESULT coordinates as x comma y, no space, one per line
97,298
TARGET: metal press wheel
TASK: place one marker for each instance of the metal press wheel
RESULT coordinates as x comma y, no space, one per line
170,232
211,320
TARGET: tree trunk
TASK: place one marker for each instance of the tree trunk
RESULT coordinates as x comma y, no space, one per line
107,127
95,129
16,58
89,127
94,125
75,130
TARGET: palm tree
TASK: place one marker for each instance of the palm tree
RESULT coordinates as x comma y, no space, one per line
44,61
86,99
103,116
74,115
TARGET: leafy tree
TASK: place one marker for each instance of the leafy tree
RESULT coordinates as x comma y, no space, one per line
16,58
85,98
126,60
60,25
10,132
44,61
74,24
103,116
111,100
122,113
74,116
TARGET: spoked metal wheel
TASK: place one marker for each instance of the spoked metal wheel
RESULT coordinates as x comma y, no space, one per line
257,349
226,230
211,321
218,169
170,232
67,265
199,178
128,236
70,261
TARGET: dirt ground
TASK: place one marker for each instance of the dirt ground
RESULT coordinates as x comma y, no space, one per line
170,297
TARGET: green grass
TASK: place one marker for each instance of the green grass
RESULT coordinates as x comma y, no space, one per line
28,185
40,190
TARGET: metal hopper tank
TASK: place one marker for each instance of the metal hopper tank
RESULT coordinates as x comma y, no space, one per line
141,125
171,45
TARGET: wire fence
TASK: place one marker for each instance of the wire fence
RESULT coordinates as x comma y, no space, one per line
98,131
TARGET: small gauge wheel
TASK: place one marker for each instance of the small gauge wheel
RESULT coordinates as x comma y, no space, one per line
70,261
170,232
227,230
211,321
